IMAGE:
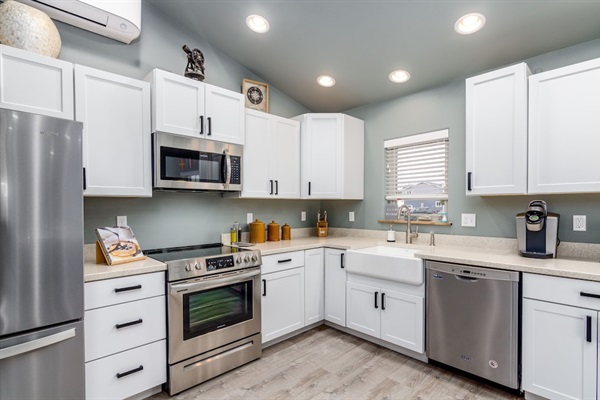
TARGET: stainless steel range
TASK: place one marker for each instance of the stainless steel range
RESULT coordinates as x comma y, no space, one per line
213,309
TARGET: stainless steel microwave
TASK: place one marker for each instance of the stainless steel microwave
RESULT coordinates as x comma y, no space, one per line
188,163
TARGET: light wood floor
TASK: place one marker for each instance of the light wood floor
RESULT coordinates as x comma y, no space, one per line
325,363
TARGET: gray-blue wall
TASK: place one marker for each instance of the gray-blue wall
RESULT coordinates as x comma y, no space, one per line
170,219
444,107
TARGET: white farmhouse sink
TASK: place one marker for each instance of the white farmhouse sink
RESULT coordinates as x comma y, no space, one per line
385,262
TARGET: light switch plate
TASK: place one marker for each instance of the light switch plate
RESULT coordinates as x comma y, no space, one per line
469,220
303,216
579,223
249,218
121,220
351,216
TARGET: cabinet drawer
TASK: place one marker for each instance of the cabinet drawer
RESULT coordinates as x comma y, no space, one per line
102,381
568,291
121,290
283,261
110,330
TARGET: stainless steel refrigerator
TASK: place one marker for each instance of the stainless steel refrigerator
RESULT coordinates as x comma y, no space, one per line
41,258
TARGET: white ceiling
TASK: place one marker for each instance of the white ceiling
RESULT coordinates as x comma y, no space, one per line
360,42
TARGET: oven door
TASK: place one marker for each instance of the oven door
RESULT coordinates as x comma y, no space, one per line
213,311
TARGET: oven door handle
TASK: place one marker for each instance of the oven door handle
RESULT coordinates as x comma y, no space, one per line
216,281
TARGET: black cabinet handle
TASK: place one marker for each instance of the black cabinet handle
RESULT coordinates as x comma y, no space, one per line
376,295
271,181
309,188
469,181
209,126
383,301
588,329
125,289
276,187
202,124
126,324
284,261
264,287
342,260
84,180
133,371
592,295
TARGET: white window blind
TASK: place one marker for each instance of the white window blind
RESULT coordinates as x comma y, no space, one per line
416,167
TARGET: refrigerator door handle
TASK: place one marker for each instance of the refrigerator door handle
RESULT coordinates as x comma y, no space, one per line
36,344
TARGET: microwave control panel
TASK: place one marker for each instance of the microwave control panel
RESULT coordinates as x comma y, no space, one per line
236,170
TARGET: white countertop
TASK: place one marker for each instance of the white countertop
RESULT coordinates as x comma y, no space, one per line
97,272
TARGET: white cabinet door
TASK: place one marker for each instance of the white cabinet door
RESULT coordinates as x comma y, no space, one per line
285,155
257,156
363,304
225,112
563,129
496,132
558,361
322,156
402,319
335,287
177,104
282,303
314,286
115,111
36,84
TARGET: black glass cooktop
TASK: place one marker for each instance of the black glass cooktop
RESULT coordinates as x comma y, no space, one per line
183,253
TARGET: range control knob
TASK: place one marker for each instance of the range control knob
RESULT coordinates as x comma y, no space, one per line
247,258
188,267
254,257
198,266
238,260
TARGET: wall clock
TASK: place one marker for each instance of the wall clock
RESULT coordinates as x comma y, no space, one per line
256,95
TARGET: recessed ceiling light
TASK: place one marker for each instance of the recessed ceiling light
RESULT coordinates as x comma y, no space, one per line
326,81
399,76
469,23
257,23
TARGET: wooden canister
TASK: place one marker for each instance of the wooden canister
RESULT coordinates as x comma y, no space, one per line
322,229
286,232
273,232
257,231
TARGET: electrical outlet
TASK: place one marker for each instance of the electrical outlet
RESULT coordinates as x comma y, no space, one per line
121,220
303,216
469,220
249,218
579,223
351,216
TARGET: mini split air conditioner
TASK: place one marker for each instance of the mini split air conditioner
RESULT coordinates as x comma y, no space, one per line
117,19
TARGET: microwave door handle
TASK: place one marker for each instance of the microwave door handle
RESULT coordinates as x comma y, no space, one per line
227,167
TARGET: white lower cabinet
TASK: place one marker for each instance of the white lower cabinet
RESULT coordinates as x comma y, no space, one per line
376,309
560,337
282,294
335,287
125,340
314,286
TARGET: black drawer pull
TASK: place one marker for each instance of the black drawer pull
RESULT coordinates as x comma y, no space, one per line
264,287
133,371
469,188
309,188
376,295
383,301
202,124
595,296
125,289
342,260
588,329
271,181
284,261
126,324
209,119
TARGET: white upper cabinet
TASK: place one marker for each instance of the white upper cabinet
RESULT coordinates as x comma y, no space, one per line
187,107
115,111
496,132
271,167
564,129
36,84
332,156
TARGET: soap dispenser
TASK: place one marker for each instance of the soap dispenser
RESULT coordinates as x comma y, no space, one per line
391,235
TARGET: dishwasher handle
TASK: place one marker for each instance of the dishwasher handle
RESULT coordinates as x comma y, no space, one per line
466,278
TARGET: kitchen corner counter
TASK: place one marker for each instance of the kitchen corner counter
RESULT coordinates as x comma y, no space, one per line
509,260
313,242
97,272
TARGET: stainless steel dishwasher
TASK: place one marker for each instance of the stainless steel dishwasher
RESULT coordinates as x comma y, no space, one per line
473,320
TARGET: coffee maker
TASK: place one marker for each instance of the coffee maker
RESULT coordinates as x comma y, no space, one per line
537,231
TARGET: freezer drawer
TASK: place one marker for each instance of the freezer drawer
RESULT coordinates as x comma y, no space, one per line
473,320
46,364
